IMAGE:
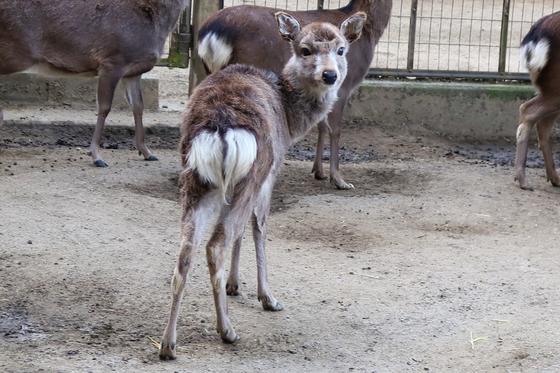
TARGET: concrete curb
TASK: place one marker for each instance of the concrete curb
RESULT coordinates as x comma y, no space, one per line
78,92
462,111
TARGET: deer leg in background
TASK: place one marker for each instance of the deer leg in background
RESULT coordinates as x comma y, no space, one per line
335,124
134,98
544,131
531,112
105,92
318,164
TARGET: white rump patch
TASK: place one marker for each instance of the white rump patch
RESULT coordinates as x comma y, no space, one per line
206,158
223,170
214,51
241,154
535,56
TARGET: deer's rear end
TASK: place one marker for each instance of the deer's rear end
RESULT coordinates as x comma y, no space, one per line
540,52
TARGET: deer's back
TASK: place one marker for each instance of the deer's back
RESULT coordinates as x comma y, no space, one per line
80,36
239,96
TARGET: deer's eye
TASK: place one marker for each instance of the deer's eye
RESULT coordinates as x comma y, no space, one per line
305,51
340,51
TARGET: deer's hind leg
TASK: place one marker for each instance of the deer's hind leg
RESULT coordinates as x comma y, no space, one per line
544,131
194,226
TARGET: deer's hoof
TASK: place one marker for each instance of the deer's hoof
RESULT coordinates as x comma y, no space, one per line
229,337
168,351
152,158
232,289
341,184
271,304
100,163
522,181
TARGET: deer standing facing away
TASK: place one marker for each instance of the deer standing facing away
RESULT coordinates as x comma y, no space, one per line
113,39
245,34
237,127
540,51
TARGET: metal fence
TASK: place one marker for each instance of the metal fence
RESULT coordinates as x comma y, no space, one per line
446,38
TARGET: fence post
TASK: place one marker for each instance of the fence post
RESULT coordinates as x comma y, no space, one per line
201,10
320,4
180,43
412,35
504,37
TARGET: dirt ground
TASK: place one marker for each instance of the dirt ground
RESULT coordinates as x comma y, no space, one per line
435,262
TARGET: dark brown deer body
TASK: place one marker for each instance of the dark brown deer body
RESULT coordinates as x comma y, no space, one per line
245,34
110,38
238,125
540,51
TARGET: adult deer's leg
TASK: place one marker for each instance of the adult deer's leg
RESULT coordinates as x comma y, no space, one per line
531,112
335,125
106,85
134,98
318,164
544,130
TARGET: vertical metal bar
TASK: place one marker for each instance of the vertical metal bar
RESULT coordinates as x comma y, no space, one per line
412,35
320,4
201,10
504,36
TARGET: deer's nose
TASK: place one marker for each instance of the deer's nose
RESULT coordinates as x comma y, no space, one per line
329,77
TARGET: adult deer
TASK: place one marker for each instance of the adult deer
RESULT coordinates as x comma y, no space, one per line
237,127
540,52
245,34
112,39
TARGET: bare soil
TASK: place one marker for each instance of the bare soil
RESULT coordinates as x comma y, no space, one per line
435,262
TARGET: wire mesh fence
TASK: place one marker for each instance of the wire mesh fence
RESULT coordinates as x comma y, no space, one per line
445,37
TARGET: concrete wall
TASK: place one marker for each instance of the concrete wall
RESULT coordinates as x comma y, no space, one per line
466,111
74,91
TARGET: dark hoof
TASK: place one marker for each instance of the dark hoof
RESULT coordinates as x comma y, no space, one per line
167,352
273,306
232,290
230,337
152,158
100,163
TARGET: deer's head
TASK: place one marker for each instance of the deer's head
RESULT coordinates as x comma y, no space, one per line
319,50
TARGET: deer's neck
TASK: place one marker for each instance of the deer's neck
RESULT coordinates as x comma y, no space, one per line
304,107
378,14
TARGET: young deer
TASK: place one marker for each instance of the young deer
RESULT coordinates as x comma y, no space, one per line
245,34
237,128
111,38
540,51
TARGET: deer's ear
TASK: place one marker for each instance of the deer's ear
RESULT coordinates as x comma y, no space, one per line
287,25
352,27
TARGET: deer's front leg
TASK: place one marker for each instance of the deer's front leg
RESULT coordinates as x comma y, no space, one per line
318,164
105,92
335,126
